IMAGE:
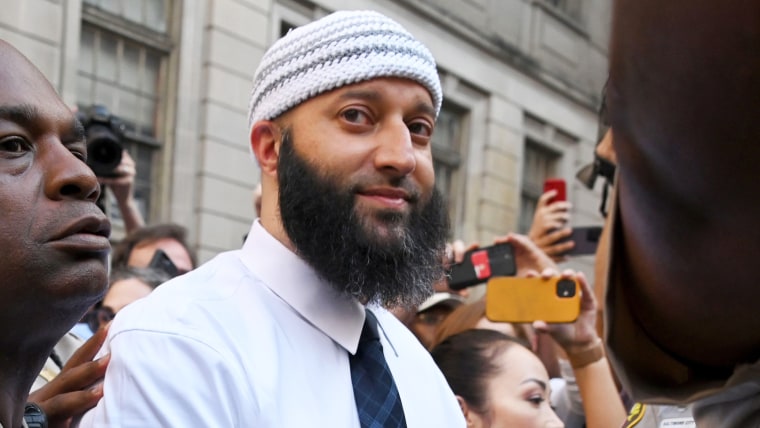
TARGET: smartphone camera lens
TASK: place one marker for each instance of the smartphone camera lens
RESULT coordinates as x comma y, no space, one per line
566,288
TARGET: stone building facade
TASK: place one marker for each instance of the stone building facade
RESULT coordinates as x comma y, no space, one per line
521,79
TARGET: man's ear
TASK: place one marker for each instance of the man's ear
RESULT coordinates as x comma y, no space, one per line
265,143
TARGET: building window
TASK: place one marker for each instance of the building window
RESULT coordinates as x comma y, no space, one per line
289,14
123,56
447,158
539,163
446,145
569,8
150,14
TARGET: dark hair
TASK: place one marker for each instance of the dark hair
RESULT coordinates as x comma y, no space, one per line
468,361
148,235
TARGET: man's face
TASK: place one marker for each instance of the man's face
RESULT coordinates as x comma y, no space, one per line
54,239
356,190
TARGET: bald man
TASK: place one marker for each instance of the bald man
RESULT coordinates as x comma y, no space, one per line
54,238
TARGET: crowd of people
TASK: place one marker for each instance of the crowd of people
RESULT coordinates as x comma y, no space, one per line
336,311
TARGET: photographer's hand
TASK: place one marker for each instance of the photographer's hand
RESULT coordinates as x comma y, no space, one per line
122,187
528,256
77,387
454,254
549,226
581,334
585,352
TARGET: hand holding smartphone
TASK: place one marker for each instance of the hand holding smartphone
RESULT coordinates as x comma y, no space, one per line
554,300
586,239
481,264
558,185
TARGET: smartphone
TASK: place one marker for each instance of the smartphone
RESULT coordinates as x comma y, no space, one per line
559,185
554,300
481,264
160,261
586,240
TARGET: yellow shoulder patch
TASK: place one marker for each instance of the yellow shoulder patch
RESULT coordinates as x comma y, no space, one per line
636,415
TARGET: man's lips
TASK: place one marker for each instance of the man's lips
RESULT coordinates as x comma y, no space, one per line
89,233
392,197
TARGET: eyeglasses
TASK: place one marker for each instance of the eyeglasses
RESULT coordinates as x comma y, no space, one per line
589,173
599,167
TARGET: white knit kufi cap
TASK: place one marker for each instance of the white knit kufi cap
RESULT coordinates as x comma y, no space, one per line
340,49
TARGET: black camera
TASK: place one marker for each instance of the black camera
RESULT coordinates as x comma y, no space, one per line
103,132
565,288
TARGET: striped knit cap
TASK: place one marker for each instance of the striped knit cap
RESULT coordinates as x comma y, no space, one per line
340,49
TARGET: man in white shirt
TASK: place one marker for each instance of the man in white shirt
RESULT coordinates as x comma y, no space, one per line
341,116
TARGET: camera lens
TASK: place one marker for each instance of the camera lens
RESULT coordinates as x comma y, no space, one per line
103,150
566,288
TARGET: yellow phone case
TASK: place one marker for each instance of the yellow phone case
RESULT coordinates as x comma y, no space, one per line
511,299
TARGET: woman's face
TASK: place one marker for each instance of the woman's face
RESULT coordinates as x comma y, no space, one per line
519,393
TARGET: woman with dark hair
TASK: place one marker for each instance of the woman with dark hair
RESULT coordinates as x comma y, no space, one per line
589,402
498,381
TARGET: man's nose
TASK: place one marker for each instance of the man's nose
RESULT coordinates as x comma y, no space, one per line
67,176
395,151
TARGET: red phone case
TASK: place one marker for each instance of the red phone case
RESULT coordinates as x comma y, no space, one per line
481,264
559,185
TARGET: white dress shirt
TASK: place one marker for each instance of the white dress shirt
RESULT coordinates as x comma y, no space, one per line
254,338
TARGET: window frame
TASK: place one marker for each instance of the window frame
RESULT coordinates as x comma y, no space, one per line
162,45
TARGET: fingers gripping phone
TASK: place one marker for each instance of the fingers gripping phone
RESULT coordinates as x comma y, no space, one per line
559,185
481,264
586,240
554,300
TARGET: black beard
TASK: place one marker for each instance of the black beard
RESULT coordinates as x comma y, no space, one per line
396,269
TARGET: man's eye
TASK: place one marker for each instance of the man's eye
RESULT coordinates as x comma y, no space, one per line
353,115
421,129
14,145
81,155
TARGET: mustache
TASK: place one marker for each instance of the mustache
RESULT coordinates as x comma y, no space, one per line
405,184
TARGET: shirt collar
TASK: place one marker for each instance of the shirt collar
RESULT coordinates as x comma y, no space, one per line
297,284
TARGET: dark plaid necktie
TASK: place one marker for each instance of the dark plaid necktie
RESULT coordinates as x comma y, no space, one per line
376,396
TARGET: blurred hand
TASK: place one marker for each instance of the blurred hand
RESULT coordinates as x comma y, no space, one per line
528,256
455,251
549,226
122,185
577,335
78,387
454,254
